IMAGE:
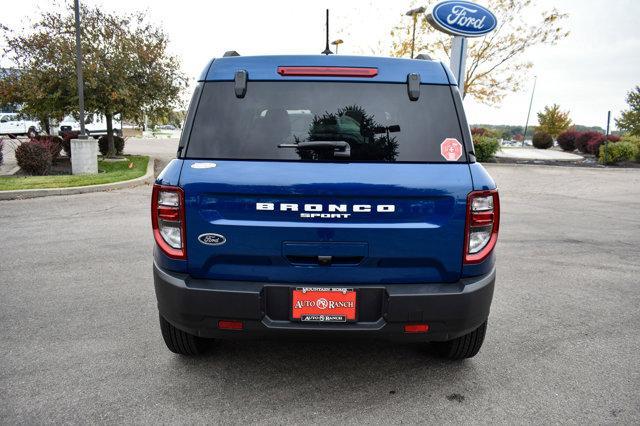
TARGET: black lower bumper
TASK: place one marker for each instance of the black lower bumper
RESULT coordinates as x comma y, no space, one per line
450,309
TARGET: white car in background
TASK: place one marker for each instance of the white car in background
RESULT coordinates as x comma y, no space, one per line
13,124
95,125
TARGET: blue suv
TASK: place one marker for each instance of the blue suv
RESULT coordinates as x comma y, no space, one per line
334,196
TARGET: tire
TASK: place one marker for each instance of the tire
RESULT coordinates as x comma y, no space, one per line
466,346
180,342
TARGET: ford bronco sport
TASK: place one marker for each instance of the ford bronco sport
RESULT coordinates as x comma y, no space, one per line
325,196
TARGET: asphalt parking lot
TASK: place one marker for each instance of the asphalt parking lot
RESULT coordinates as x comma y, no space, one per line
80,339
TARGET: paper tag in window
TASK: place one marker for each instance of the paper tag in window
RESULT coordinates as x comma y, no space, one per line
451,149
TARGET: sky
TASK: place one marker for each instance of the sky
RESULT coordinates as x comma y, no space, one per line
588,73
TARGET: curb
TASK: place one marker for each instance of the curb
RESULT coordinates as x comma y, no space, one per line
22,194
564,165
555,160
505,154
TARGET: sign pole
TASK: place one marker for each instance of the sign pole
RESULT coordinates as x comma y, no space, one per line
76,7
606,137
461,19
458,61
84,153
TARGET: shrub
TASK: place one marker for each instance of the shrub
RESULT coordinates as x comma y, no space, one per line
53,142
593,146
567,140
583,140
635,140
34,157
103,145
485,147
66,141
542,140
479,131
617,152
1,154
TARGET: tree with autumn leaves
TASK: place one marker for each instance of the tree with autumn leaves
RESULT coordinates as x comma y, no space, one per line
127,68
553,121
494,64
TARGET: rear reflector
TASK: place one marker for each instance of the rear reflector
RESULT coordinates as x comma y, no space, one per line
230,325
416,328
328,71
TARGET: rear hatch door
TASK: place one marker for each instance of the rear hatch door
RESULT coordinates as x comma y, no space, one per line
391,211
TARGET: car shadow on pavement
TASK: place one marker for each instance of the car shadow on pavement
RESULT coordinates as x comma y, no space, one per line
331,375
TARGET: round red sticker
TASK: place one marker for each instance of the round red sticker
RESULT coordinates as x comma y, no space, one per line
451,149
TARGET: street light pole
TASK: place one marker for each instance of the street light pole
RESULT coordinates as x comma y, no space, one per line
337,43
413,35
327,51
414,14
526,125
79,69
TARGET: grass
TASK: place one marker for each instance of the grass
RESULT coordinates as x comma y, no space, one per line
108,172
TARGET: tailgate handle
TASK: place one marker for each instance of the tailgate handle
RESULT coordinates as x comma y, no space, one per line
325,260
325,253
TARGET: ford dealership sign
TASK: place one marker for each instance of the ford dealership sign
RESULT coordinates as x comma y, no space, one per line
462,18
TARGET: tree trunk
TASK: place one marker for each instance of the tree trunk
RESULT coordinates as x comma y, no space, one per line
46,125
111,152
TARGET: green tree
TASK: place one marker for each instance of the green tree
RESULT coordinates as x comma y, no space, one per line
39,83
494,64
127,68
553,121
629,120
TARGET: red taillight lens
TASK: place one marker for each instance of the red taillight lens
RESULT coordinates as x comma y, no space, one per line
167,220
328,71
483,220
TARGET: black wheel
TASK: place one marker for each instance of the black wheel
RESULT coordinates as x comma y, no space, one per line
466,346
181,342
32,133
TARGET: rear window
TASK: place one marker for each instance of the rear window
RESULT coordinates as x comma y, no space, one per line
323,121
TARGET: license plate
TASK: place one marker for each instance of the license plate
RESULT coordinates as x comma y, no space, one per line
309,304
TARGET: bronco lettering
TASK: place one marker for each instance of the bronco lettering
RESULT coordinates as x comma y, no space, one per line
331,208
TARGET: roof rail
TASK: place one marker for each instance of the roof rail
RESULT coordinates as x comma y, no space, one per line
230,53
424,57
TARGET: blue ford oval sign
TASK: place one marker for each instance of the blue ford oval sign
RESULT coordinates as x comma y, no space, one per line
462,18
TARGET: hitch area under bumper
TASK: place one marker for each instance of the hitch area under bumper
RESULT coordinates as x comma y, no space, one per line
450,309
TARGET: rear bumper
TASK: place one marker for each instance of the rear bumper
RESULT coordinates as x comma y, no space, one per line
450,309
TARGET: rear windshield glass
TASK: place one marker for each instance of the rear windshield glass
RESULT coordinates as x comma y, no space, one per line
323,121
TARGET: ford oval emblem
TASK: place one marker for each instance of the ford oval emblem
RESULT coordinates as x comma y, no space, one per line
462,18
212,239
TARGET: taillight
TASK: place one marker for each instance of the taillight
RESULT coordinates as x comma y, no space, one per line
483,220
168,221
